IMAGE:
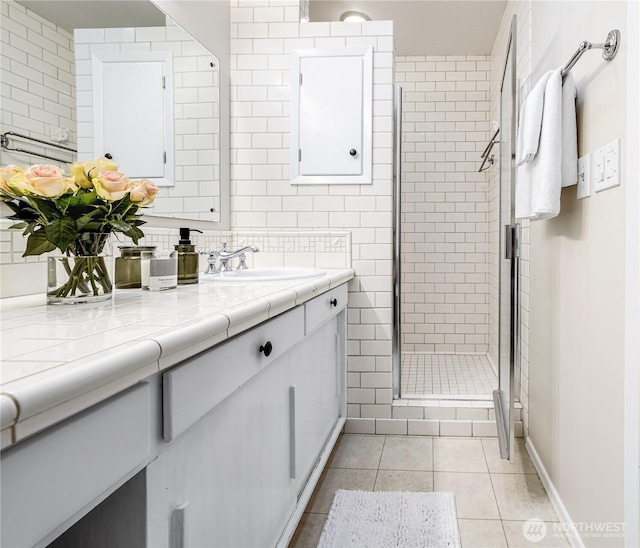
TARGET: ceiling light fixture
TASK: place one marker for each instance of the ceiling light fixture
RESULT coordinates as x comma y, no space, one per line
354,17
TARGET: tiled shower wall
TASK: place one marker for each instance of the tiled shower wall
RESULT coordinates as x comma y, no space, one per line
445,291
195,109
38,82
262,37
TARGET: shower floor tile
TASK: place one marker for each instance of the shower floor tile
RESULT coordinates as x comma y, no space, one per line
447,374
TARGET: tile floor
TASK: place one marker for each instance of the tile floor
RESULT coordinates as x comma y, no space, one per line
494,498
447,374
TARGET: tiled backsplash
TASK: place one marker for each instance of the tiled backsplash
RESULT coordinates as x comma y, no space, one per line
195,109
38,82
27,275
445,292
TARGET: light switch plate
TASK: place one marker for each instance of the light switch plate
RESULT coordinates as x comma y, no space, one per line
610,157
584,176
598,170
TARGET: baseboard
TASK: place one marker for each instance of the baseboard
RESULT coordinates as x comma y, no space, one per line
563,515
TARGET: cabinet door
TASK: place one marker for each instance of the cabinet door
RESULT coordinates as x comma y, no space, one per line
227,480
317,387
331,116
135,128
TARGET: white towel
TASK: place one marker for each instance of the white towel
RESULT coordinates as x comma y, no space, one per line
531,122
538,182
569,133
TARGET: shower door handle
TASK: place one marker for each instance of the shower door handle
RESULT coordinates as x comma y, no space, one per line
511,241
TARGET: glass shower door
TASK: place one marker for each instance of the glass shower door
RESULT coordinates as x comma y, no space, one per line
509,260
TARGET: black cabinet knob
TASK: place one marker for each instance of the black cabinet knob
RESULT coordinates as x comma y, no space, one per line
333,302
267,348
108,156
353,152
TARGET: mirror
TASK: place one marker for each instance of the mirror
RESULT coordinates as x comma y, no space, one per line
65,88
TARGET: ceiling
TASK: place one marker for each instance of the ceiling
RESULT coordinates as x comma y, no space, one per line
72,14
421,27
426,27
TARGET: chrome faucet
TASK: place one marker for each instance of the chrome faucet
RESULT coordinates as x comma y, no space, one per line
224,255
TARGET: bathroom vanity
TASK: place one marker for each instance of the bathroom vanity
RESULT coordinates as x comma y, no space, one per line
210,426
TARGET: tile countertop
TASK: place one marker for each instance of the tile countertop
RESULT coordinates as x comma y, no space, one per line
60,359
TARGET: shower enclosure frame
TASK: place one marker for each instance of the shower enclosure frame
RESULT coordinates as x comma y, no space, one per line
396,343
508,255
509,258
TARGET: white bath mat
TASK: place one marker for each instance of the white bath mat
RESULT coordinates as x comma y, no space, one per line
370,519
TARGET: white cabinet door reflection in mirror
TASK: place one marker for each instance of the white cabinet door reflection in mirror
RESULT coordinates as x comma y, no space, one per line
189,133
332,111
135,129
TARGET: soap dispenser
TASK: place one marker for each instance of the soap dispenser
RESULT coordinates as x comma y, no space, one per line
187,258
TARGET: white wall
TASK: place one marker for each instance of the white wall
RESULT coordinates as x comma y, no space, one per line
38,82
262,37
632,297
38,92
576,388
445,294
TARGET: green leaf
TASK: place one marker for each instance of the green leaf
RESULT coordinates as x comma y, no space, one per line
18,226
61,232
46,206
84,221
30,229
121,206
135,234
37,244
20,207
88,198
120,226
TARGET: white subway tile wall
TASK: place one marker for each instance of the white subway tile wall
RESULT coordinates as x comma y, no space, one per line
38,87
196,112
263,33
436,418
445,291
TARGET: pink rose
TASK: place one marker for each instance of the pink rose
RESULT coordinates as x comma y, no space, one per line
85,171
111,185
143,192
43,180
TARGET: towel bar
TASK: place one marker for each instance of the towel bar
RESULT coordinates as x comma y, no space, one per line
610,48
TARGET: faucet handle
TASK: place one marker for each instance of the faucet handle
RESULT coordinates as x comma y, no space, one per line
211,260
224,245
243,264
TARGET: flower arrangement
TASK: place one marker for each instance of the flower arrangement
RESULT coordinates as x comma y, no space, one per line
75,214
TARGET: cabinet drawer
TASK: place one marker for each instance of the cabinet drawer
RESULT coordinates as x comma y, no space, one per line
48,479
323,307
193,388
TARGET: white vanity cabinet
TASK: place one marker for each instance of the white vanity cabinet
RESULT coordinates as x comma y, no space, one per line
49,479
246,430
221,450
318,383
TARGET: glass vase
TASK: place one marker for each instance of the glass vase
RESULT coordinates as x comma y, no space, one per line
84,275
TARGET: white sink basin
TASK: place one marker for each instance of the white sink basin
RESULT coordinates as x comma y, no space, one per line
264,274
